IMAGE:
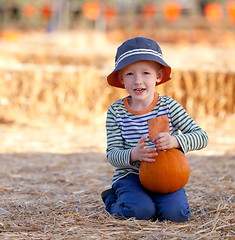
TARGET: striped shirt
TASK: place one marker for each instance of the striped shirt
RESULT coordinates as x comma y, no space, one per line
125,127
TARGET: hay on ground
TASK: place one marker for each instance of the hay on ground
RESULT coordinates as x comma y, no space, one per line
52,177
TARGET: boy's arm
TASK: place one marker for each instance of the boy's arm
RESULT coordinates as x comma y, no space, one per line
116,154
192,137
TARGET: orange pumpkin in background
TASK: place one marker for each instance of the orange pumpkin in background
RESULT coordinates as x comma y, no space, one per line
230,7
172,11
170,171
91,10
213,12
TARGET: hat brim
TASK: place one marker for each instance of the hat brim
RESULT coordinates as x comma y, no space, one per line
113,77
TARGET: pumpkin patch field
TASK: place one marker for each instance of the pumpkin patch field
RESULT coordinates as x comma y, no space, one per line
53,102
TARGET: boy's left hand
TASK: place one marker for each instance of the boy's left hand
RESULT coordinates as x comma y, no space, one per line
165,141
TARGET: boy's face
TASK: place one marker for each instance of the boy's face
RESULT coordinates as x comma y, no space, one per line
140,78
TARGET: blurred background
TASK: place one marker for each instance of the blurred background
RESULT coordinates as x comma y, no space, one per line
55,56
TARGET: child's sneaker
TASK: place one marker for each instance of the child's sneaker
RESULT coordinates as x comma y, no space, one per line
106,193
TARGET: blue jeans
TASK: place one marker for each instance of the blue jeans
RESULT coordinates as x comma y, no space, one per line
132,200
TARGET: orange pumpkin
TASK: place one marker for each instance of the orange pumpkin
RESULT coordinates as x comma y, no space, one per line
213,12
172,11
230,7
91,10
169,172
148,11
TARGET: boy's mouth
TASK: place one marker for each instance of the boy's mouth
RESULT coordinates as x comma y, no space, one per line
139,90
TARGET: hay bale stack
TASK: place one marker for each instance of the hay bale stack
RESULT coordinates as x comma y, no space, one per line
203,93
31,91
79,93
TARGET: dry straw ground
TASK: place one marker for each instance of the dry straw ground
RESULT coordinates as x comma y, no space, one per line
52,177
52,173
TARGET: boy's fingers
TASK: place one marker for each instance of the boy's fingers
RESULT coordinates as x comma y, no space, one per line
159,136
142,139
151,155
154,139
143,146
151,150
154,154
148,160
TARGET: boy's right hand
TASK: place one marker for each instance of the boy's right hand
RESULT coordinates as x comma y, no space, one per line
141,153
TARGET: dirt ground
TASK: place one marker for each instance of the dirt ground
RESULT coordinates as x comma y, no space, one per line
52,176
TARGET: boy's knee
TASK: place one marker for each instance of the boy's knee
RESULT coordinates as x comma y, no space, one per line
137,210
141,211
175,212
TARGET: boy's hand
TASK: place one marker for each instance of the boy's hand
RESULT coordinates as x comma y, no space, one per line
164,141
141,153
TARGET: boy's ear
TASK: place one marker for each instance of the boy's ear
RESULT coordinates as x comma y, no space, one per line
160,75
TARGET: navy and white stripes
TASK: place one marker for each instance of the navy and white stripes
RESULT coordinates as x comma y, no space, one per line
124,130
137,52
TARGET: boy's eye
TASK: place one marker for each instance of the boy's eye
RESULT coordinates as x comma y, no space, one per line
146,73
130,73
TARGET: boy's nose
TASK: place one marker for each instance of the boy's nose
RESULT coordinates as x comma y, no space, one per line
138,79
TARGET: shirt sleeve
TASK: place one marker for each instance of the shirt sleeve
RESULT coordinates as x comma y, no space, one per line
116,154
193,137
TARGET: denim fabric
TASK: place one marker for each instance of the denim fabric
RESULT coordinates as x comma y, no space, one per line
132,200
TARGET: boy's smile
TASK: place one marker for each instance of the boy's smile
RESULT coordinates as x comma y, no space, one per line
139,91
139,79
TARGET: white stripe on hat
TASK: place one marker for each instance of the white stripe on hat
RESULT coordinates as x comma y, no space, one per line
137,51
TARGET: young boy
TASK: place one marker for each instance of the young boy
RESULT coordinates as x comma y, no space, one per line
139,67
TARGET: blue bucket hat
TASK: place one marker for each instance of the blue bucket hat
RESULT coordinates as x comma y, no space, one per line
137,49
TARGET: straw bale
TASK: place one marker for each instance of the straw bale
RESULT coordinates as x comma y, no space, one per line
64,78
74,93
